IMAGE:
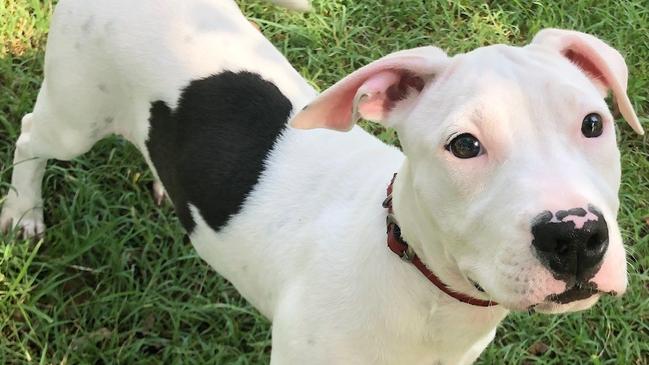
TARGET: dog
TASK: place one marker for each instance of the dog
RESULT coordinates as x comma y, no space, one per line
504,198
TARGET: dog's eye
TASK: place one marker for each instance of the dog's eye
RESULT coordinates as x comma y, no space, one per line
592,125
465,146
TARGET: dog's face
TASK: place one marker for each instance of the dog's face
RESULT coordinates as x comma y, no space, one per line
512,164
513,156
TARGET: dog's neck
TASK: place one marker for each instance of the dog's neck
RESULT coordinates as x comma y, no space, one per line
445,318
419,230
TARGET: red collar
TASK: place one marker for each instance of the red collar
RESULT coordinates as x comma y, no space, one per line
401,248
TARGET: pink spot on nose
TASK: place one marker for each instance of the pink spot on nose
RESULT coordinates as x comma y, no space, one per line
579,216
580,221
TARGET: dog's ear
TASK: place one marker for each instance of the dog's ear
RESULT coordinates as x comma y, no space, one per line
373,91
603,64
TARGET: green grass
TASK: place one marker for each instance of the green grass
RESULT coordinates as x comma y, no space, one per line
114,281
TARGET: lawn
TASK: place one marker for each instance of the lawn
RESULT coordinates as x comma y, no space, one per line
114,281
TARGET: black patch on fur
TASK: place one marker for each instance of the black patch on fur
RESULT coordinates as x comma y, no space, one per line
210,151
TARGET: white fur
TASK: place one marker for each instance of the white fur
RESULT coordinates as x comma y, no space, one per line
308,249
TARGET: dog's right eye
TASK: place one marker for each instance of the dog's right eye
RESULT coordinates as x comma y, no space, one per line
592,126
465,146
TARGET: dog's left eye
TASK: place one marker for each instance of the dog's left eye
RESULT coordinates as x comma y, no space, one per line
465,146
592,125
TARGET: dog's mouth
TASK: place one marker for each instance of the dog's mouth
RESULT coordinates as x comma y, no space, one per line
578,292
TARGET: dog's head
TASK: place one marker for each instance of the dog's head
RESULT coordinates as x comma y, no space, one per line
509,189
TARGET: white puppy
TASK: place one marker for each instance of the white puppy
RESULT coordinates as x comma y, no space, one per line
506,191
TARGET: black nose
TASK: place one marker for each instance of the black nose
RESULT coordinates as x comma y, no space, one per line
569,252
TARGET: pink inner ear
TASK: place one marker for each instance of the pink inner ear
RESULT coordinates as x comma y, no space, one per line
380,93
587,66
372,106
606,75
371,91
372,100
603,64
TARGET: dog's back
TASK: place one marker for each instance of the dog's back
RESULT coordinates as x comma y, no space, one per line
192,84
110,54
206,99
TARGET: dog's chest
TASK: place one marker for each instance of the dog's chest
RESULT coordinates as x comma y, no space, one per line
452,333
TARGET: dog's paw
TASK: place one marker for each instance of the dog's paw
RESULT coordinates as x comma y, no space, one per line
158,192
30,223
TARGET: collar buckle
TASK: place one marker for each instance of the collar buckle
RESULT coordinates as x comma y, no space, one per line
408,255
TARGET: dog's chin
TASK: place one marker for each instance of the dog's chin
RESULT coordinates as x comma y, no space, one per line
572,300
577,298
552,307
